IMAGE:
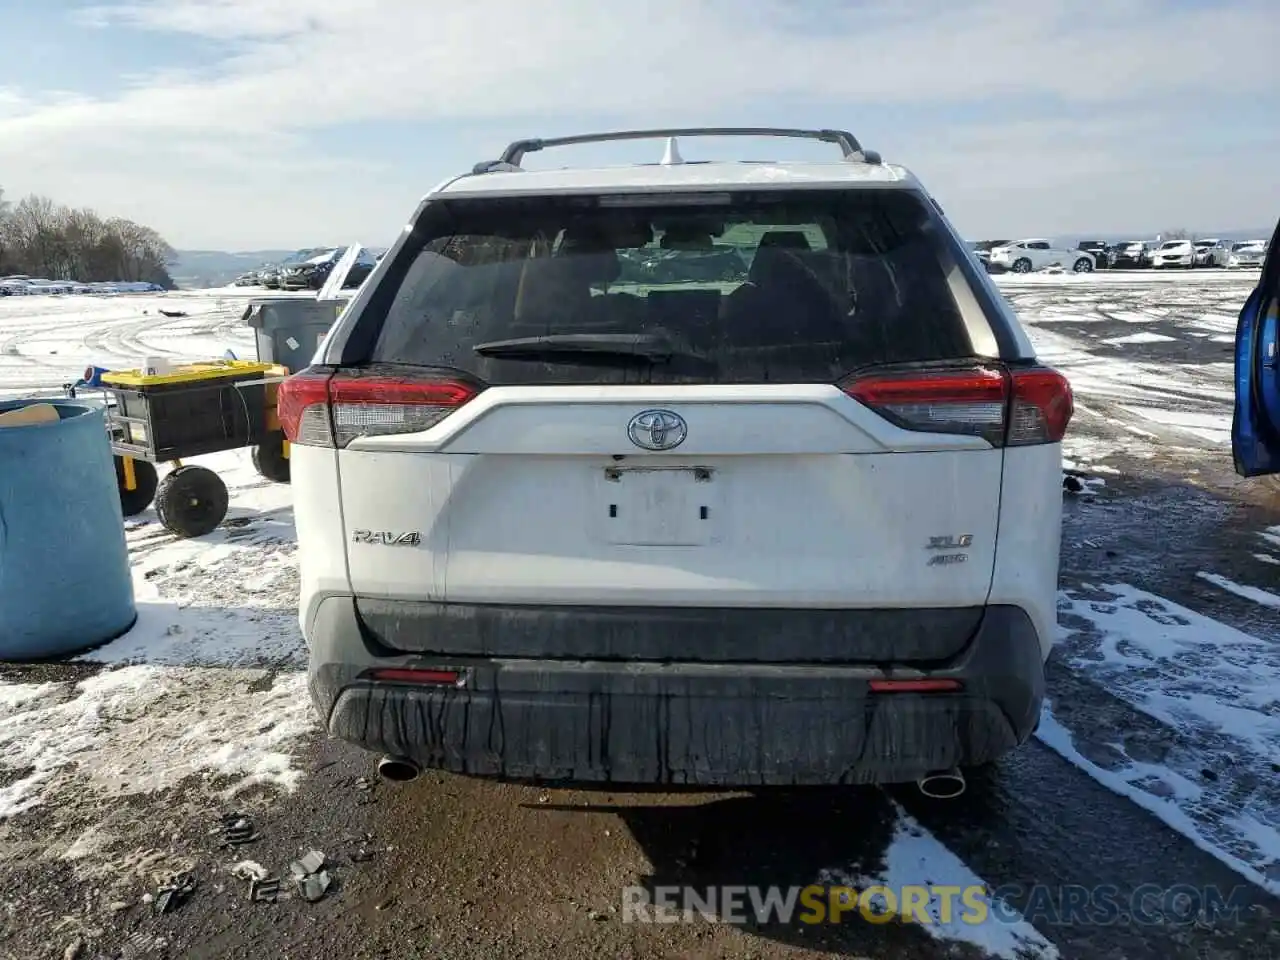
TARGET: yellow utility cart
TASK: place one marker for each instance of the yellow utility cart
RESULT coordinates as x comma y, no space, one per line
188,411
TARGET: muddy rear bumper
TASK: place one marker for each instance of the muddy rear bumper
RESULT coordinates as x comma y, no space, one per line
707,724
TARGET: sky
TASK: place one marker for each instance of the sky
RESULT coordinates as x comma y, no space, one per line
279,124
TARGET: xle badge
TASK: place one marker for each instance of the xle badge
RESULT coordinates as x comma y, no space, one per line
387,538
949,542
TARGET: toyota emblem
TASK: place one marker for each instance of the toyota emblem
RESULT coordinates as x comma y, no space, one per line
657,430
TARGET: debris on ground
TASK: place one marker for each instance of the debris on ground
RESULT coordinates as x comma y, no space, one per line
1076,481
174,892
310,877
266,890
249,870
311,863
237,830
314,886
74,951
172,313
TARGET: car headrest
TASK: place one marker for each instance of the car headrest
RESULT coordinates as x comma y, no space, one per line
788,239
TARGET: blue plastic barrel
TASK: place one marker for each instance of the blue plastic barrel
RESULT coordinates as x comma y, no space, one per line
65,584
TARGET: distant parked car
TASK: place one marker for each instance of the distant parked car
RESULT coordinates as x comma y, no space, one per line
1211,252
1249,253
312,272
1132,254
981,251
1097,249
1174,253
1023,256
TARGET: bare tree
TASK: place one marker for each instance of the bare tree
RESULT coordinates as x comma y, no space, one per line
4,211
41,238
1179,234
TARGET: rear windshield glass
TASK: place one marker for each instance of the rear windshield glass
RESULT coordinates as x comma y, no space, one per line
742,288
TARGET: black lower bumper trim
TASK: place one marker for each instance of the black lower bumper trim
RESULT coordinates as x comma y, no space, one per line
684,723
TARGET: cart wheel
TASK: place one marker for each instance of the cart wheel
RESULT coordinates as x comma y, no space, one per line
269,458
133,502
191,501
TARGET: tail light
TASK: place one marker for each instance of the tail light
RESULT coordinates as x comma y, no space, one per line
1005,407
324,409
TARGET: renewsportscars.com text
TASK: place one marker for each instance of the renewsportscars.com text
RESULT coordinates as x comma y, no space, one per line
934,904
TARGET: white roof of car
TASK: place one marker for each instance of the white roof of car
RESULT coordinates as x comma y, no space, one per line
660,178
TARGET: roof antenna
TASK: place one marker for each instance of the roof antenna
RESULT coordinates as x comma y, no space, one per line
672,154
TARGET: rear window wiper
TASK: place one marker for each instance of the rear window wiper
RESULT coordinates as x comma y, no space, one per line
587,347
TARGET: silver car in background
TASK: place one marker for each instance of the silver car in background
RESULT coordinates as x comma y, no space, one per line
1249,253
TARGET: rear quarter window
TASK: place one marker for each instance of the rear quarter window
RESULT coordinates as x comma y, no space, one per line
756,287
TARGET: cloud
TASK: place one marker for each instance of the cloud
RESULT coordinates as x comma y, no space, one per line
286,72
344,60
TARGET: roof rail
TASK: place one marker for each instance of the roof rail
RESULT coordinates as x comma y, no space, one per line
515,152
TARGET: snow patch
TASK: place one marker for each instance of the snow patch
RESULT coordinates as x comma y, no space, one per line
1133,783
1264,597
1215,688
1214,427
916,858
140,729
1144,336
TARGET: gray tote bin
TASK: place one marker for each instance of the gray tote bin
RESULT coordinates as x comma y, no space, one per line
290,328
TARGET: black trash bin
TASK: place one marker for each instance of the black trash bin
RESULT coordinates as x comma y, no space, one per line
290,328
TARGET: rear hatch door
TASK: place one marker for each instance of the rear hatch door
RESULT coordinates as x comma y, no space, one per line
558,444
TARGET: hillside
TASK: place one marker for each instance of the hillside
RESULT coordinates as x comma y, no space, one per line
193,269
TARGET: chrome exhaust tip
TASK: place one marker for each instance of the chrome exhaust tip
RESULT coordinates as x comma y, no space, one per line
942,784
398,769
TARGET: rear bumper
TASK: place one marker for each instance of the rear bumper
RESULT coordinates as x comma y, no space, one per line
704,724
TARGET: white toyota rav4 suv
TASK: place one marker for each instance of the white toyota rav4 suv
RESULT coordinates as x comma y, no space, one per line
720,474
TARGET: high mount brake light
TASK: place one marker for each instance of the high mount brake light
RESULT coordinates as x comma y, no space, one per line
318,408
1005,407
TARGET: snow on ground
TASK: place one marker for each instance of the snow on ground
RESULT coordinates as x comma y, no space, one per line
1133,346
1215,688
208,681
48,341
916,858
1259,596
209,686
